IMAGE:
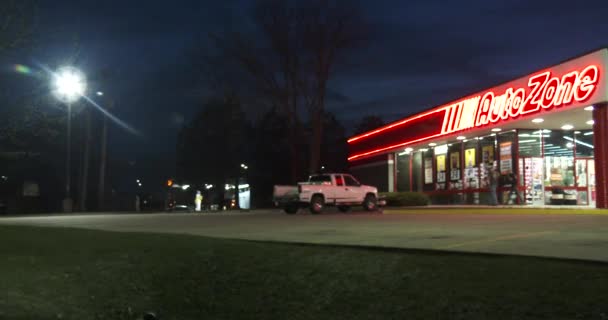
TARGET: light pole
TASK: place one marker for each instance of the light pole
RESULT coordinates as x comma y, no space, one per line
102,158
69,85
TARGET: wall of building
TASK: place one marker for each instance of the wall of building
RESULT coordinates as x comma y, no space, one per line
375,172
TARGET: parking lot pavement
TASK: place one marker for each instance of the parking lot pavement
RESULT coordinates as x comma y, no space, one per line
550,235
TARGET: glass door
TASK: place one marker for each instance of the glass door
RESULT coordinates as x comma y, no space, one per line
531,179
591,181
585,181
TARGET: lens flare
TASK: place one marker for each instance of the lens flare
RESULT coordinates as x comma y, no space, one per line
19,68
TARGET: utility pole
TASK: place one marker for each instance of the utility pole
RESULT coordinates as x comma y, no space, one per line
85,167
102,161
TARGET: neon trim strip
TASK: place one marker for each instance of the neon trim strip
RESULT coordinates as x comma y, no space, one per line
393,146
396,124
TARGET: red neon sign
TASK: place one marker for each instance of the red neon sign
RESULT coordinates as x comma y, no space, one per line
543,92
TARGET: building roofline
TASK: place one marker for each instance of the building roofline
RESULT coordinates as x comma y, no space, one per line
434,108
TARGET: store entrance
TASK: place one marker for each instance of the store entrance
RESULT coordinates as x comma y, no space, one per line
557,181
531,180
585,181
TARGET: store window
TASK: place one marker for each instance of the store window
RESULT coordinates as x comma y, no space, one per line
559,168
559,171
584,143
454,166
427,170
403,171
488,149
530,142
471,164
441,153
558,143
506,154
417,171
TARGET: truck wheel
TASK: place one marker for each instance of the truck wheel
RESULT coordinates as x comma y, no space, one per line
370,203
316,204
344,208
290,208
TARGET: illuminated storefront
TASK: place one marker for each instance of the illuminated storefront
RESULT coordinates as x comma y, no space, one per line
548,129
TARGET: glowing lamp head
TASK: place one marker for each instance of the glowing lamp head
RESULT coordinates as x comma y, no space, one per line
69,84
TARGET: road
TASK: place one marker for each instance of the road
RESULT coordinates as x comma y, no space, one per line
578,236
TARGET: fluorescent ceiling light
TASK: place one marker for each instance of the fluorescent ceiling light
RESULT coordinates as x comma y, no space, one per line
461,138
442,149
589,108
538,120
567,127
590,122
496,129
579,142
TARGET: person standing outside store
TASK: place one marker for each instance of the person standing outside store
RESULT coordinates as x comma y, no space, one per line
493,185
198,200
512,180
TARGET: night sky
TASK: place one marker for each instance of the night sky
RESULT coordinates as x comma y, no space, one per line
420,54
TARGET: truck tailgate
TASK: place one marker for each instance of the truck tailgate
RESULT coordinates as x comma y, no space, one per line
283,193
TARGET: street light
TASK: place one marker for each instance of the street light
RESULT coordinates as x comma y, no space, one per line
69,85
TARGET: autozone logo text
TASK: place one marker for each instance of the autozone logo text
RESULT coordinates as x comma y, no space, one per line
544,91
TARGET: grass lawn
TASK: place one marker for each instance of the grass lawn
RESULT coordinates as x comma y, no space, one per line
48,273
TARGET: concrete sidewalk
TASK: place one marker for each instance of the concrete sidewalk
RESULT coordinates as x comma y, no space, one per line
576,236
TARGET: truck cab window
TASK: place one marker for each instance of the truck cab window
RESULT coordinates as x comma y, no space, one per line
339,180
322,178
351,182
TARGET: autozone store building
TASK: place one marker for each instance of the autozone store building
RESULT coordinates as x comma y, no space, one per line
549,128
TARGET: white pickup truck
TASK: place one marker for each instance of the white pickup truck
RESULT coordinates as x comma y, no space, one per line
337,189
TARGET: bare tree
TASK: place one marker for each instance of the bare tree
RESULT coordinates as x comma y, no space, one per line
330,29
274,67
368,123
293,59
17,22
